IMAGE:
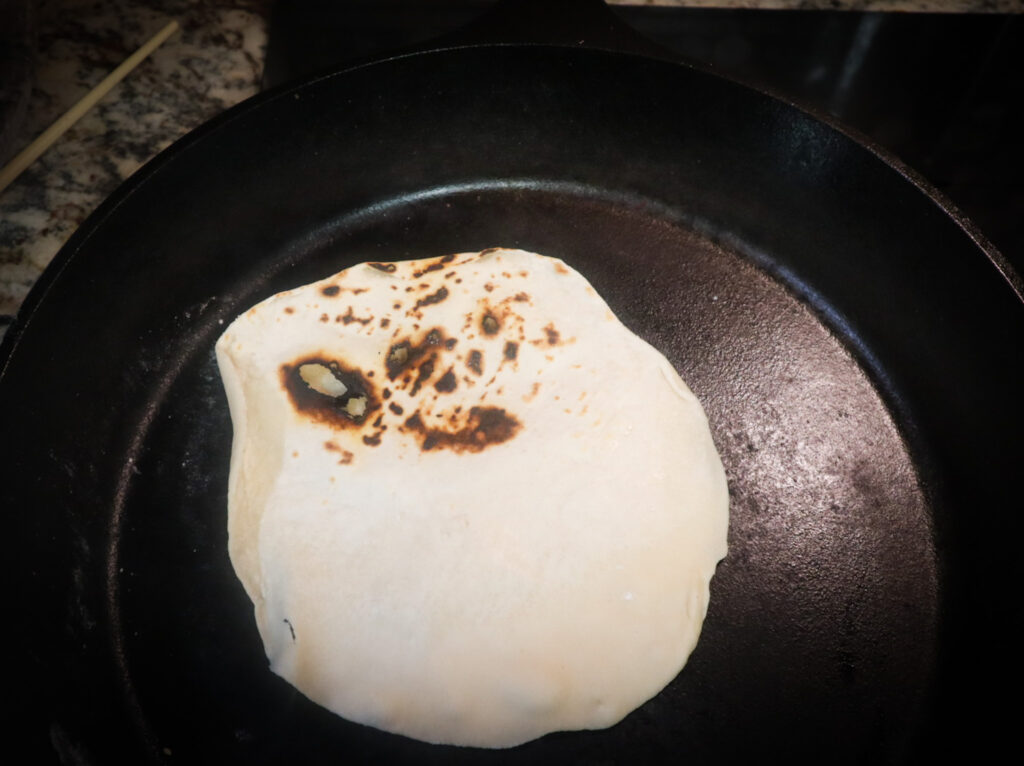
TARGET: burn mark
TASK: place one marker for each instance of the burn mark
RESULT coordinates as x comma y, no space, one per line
386,393
384,323
424,373
396,408
346,456
289,310
324,318
349,410
437,265
372,441
348,318
552,335
388,268
511,351
330,291
489,250
435,297
447,382
484,427
561,269
405,354
489,324
489,287
521,297
475,362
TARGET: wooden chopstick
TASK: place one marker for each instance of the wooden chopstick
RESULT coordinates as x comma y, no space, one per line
30,153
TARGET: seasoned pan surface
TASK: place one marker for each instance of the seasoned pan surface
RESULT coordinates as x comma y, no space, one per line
854,348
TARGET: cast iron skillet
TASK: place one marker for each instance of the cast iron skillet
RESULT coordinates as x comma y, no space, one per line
854,344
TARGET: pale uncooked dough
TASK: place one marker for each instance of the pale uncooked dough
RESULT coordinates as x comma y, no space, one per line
468,504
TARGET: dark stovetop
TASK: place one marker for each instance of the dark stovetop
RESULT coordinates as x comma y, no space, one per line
943,92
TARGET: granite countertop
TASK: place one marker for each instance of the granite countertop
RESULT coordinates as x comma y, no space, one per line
214,62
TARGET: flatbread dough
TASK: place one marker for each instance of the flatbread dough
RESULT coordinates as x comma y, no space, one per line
468,504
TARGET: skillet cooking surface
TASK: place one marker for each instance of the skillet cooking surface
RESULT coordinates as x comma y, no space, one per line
852,346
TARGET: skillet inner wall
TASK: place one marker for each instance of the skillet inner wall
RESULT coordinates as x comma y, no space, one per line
820,637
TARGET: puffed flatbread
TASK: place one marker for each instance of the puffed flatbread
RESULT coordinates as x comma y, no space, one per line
468,504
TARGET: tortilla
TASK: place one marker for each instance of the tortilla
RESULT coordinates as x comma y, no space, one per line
468,504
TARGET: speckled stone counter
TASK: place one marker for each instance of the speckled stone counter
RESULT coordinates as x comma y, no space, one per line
214,62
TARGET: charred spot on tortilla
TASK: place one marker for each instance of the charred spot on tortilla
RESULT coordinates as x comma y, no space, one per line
349,317
396,408
484,427
435,297
388,268
330,291
328,391
426,369
437,265
346,456
489,324
475,362
446,383
405,354
552,334
511,350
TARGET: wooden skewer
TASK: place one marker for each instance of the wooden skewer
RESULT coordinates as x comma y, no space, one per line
30,153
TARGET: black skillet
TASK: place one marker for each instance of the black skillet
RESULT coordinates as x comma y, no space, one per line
855,345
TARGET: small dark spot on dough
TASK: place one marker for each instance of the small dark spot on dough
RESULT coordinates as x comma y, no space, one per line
348,318
435,297
511,350
489,324
372,441
331,290
484,427
396,408
386,267
385,322
447,383
552,335
475,362
289,310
